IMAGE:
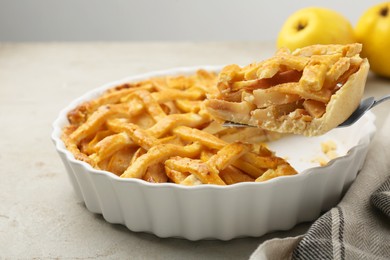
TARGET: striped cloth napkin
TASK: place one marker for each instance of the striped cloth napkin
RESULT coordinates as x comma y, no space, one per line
358,227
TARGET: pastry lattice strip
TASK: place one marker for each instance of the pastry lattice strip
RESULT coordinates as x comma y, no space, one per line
159,131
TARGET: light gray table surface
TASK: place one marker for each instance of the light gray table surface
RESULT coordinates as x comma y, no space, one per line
40,216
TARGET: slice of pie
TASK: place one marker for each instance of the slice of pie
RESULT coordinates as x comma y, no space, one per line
308,91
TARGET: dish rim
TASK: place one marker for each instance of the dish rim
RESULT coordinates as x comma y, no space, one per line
61,121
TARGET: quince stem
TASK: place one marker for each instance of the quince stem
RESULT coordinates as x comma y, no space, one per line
384,11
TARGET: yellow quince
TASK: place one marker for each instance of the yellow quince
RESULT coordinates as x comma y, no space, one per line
315,25
373,31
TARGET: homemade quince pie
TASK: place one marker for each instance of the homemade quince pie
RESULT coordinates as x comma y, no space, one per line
308,91
158,130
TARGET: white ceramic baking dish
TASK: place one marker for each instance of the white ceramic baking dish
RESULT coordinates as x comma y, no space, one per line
216,212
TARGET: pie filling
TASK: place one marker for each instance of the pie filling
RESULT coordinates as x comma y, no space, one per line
291,86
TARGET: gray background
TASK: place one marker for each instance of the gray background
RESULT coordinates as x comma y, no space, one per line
153,20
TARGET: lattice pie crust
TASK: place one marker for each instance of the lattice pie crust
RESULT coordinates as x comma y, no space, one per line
158,130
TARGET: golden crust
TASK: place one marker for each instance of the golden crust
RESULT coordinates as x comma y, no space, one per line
158,130
309,91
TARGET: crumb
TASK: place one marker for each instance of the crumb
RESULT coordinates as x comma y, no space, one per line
320,160
332,155
329,149
328,146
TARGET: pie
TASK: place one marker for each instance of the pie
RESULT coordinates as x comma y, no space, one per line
307,91
158,130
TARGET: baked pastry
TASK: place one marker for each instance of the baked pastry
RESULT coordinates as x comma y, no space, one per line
158,130
308,91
